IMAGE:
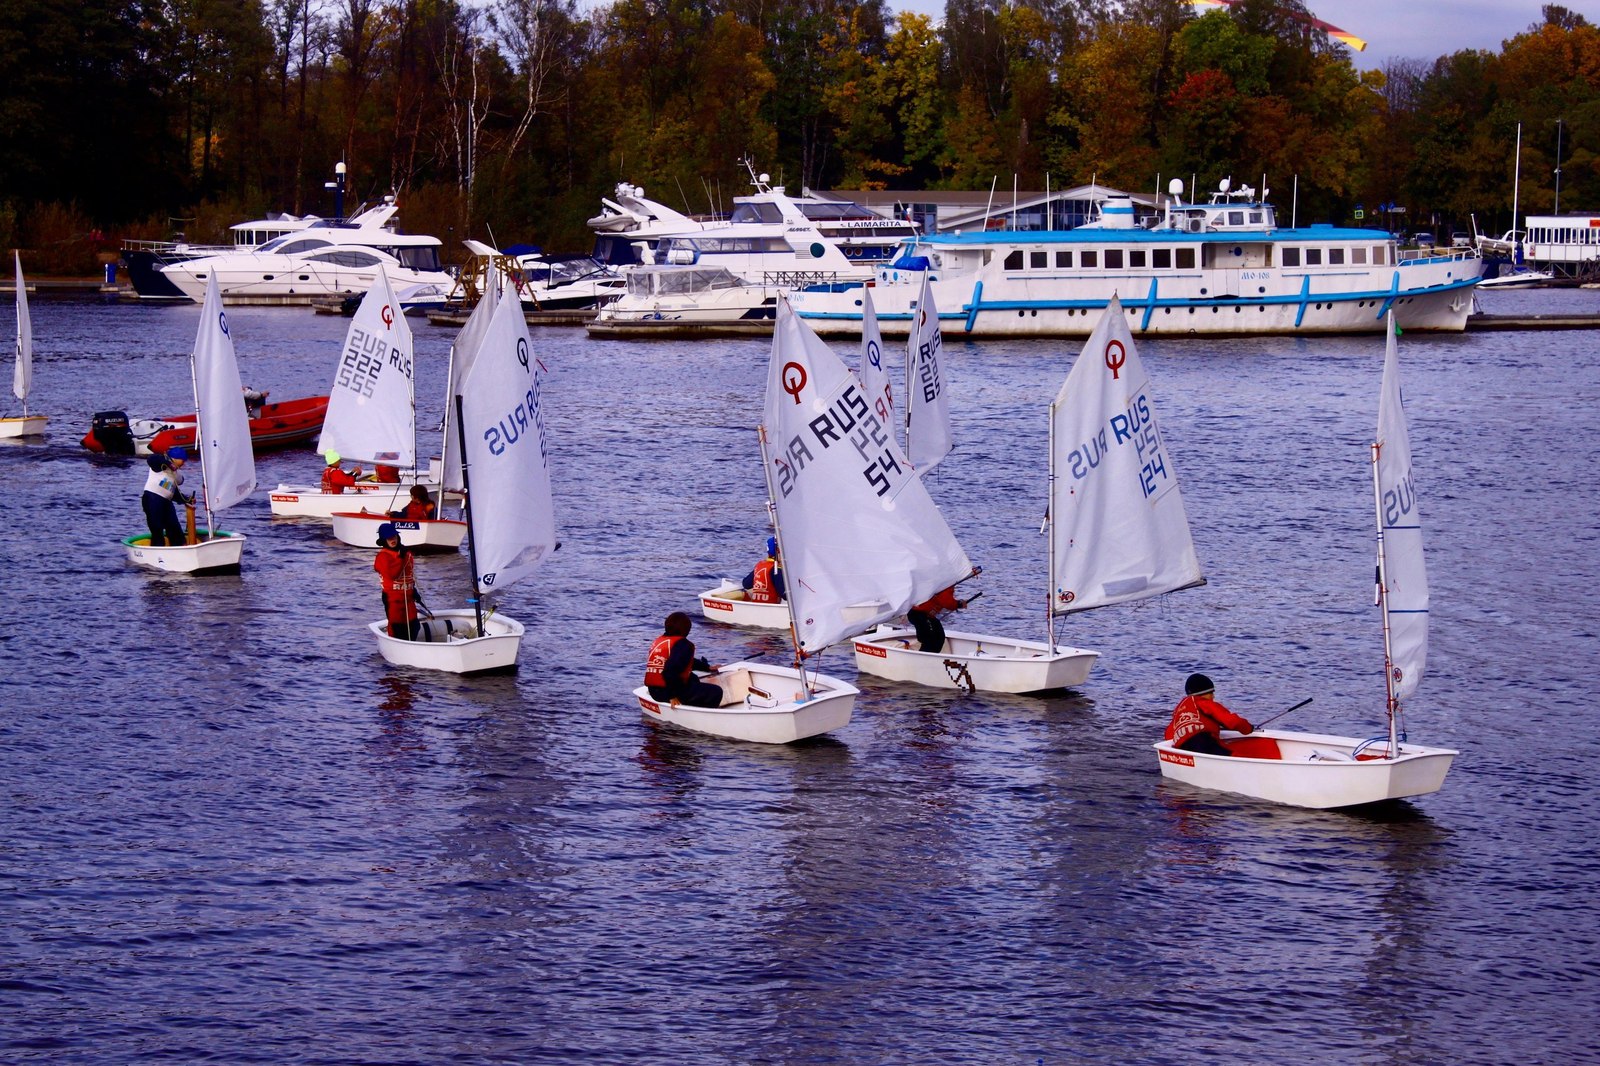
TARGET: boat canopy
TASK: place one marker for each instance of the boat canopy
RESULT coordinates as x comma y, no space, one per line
674,280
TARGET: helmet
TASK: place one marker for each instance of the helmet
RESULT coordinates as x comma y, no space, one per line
180,452
386,531
772,545
331,456
1198,685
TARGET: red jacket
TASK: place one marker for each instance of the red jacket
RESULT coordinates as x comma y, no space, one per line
1202,714
336,479
417,511
656,664
399,583
940,602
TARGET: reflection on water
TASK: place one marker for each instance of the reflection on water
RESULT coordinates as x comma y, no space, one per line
232,829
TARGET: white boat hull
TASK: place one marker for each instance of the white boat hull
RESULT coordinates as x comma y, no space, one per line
1311,770
760,705
27,426
449,643
972,662
726,603
218,555
428,535
303,501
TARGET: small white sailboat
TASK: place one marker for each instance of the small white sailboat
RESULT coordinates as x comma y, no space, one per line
501,436
227,462
728,603
1321,770
22,374
1118,531
371,415
860,541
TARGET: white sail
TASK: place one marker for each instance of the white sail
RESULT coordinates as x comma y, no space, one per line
371,406
855,525
22,376
511,511
461,356
1404,575
1118,530
222,432
928,422
874,375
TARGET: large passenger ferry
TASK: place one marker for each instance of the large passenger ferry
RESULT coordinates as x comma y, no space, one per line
1223,267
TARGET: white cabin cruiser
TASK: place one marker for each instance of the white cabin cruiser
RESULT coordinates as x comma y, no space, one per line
757,241
1219,268
327,258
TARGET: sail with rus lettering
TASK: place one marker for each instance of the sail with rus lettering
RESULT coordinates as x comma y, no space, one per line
371,407
512,512
1118,530
1318,769
855,525
928,436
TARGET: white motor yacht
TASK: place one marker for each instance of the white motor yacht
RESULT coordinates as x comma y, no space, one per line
327,258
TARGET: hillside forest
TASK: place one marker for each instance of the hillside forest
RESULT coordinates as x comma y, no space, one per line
508,120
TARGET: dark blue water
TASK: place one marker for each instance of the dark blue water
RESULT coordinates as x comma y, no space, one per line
231,833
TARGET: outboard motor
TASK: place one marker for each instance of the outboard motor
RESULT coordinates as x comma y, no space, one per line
110,430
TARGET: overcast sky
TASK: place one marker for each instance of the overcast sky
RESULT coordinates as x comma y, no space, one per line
1412,29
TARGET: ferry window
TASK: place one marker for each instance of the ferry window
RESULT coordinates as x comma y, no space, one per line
1291,257
1113,258
1379,255
1313,257
1161,258
1255,218
1235,218
1063,259
1336,257
1089,259
1358,256
1185,258
1014,260
1038,260
1136,258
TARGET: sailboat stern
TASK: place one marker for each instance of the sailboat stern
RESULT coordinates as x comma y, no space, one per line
973,662
219,554
762,703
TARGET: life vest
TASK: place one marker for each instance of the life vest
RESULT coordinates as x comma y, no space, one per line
336,479
417,511
398,580
1201,714
163,482
385,474
761,589
656,664
939,602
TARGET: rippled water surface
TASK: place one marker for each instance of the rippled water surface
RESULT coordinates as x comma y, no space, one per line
231,833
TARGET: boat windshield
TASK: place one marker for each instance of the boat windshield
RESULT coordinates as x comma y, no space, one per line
759,212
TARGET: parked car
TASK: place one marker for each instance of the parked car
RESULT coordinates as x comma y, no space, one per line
1460,240
1423,240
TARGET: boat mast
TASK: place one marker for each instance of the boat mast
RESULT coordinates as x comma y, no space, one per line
1382,592
466,507
1050,538
777,533
199,436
